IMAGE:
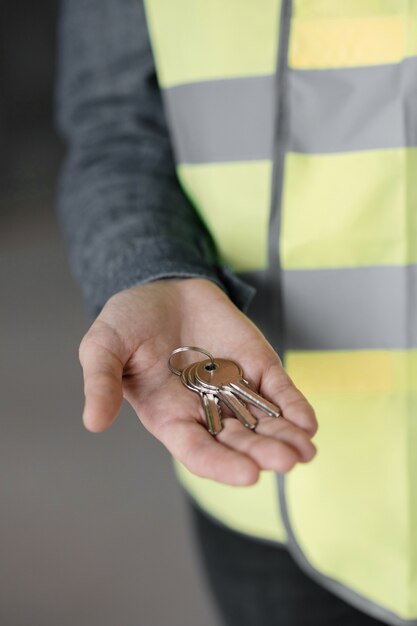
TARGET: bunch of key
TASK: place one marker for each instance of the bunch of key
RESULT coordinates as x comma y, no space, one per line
221,380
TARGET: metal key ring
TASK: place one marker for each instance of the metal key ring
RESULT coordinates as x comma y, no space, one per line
178,372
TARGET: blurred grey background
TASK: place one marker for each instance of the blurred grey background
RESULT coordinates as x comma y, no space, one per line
93,528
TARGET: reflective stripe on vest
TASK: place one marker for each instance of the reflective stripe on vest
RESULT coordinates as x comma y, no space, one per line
305,173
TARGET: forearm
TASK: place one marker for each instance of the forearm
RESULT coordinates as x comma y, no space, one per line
124,215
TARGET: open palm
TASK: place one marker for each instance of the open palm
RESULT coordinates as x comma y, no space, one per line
125,354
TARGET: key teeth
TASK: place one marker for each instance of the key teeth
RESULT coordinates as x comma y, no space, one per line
215,432
213,420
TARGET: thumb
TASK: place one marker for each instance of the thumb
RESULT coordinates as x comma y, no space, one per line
102,371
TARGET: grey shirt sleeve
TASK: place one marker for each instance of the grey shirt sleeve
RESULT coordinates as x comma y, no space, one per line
124,216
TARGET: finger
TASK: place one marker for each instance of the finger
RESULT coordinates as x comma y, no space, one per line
102,372
269,453
285,431
277,386
203,455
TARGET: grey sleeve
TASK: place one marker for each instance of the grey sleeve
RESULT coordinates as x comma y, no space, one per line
124,216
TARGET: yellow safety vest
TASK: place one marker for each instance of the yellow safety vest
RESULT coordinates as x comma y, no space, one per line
294,126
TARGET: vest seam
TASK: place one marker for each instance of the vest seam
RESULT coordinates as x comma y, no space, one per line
281,131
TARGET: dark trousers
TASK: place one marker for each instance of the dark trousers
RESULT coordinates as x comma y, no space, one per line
258,584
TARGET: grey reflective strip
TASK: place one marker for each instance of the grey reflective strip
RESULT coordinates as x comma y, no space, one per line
351,308
338,309
362,108
338,110
222,120
348,595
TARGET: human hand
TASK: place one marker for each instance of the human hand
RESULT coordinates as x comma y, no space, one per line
125,354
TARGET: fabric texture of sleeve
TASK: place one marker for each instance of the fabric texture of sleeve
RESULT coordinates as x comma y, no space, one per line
124,216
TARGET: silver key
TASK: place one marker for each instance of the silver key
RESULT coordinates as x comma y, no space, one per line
226,375
209,400
221,380
237,407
